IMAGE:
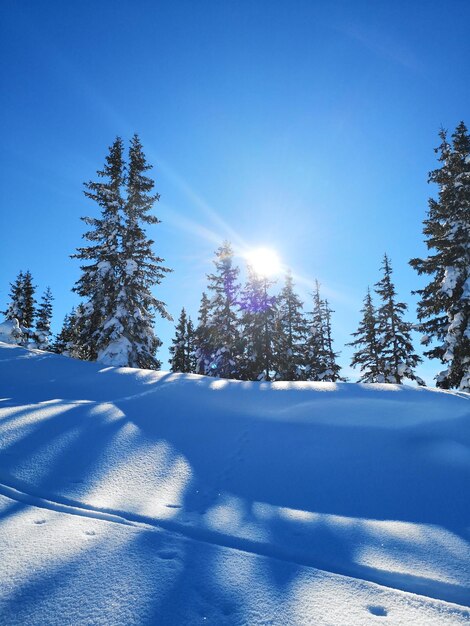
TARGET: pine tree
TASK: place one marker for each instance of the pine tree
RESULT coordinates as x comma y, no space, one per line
190,346
182,348
290,333
67,341
203,346
43,322
102,269
315,361
367,356
28,306
15,305
115,323
132,340
444,307
22,306
258,323
332,370
222,315
396,349
320,360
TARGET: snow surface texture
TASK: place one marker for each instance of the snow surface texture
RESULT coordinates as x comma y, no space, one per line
139,497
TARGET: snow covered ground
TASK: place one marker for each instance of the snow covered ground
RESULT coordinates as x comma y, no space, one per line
139,497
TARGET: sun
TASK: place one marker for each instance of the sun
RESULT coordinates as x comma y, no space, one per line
264,261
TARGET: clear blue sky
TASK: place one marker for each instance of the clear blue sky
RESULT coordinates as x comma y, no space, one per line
304,126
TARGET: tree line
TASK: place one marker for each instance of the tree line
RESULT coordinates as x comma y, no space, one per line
244,331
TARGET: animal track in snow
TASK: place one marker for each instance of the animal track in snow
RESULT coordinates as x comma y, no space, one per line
378,610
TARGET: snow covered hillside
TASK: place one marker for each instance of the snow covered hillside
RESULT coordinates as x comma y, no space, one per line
139,497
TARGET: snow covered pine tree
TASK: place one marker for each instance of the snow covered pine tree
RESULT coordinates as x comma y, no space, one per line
203,348
258,324
99,280
367,355
290,333
66,341
396,352
319,357
43,321
116,325
222,315
182,348
21,312
444,308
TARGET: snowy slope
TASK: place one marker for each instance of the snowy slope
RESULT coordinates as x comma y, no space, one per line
138,497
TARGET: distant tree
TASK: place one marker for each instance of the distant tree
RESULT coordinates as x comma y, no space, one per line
290,333
332,370
22,306
315,360
191,346
67,341
258,324
396,349
182,348
43,321
14,308
320,359
222,315
444,307
203,344
366,342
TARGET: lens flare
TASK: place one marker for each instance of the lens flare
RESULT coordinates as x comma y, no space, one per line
264,261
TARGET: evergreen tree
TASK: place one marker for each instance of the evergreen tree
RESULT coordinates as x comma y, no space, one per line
258,323
190,346
332,370
315,360
115,323
102,269
67,340
43,322
28,303
367,355
444,307
290,333
132,340
396,349
180,349
15,305
21,306
222,315
203,346
319,357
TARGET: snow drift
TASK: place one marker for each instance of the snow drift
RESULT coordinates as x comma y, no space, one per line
131,497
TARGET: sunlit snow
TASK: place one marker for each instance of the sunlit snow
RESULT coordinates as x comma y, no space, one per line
137,497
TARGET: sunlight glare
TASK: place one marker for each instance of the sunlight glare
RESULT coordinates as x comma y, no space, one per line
264,261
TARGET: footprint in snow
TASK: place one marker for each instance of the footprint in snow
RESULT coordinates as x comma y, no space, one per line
168,555
380,611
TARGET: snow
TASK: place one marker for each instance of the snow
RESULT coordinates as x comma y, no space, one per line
139,497
10,331
451,276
